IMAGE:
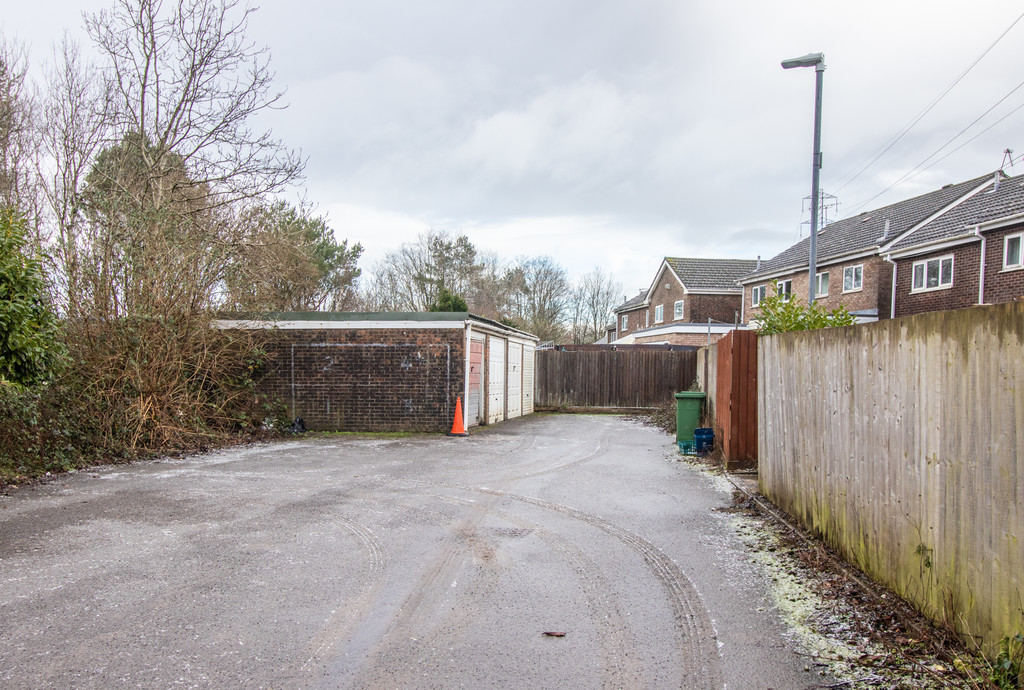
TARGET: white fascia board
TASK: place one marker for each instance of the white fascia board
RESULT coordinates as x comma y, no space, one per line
936,246
657,279
803,268
984,185
768,277
679,280
685,328
338,325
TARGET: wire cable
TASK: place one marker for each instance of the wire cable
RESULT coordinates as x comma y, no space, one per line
917,170
910,125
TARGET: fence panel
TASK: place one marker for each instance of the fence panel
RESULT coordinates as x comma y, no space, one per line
612,378
736,399
902,443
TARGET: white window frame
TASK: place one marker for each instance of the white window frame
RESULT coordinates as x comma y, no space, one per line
923,265
785,290
677,312
817,284
659,313
625,323
857,285
757,294
1007,266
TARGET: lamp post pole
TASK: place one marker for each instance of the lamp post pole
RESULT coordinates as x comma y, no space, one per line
816,60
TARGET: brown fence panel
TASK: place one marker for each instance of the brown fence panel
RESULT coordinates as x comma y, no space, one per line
607,378
736,399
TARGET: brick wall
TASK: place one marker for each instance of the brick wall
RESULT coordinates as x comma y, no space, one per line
720,308
666,292
368,380
693,339
697,308
873,294
963,293
1001,286
636,320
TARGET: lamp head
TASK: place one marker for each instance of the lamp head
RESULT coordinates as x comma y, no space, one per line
809,60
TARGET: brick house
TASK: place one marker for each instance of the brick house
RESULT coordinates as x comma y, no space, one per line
685,294
851,269
970,255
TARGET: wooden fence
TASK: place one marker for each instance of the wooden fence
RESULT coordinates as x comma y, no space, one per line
902,444
607,378
735,420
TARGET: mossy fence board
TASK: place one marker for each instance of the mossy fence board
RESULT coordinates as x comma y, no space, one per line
902,443
612,378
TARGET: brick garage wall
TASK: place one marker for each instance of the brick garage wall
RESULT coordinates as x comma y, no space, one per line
1001,286
368,380
963,293
874,293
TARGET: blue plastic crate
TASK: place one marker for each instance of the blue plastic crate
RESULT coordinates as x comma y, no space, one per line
687,447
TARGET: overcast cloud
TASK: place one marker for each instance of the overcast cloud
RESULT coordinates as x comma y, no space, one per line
613,133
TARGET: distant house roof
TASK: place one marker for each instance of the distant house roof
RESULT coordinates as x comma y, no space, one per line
869,230
699,275
633,302
1001,201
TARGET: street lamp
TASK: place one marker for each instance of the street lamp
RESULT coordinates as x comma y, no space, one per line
817,61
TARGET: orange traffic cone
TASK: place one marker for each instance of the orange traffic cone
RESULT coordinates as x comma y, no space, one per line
457,428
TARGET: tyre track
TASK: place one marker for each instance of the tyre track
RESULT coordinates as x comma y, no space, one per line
344,617
698,637
622,670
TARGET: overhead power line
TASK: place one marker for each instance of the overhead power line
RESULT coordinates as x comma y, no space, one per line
910,125
921,167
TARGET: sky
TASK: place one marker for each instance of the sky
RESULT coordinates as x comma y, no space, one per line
612,133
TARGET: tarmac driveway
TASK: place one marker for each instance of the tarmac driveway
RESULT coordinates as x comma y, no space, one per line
338,561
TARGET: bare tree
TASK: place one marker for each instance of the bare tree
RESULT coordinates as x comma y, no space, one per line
18,141
490,289
411,278
594,296
186,82
539,296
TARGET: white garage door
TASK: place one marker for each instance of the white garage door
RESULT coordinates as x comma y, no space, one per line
495,379
529,359
515,380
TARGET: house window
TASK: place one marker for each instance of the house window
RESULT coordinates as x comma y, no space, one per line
625,323
659,313
786,290
678,312
933,274
757,294
647,318
1013,253
821,285
853,278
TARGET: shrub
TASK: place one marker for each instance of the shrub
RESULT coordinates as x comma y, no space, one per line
779,315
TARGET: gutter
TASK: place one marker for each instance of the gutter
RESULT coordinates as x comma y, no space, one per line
892,296
981,267
935,245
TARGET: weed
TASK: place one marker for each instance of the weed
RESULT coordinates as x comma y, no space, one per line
1006,671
